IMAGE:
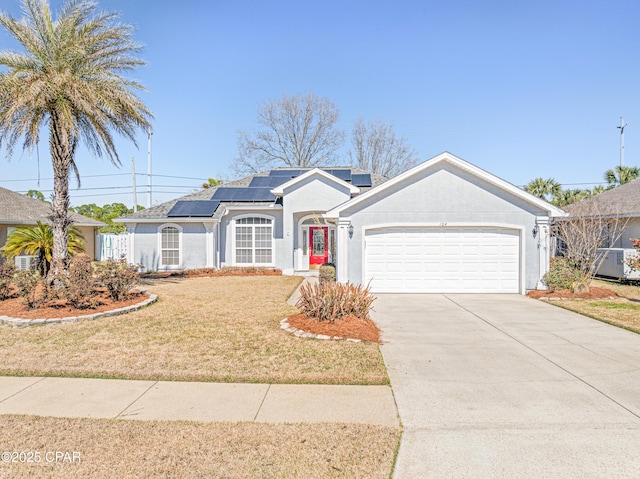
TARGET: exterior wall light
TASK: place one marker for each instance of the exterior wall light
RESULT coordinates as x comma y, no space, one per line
350,230
535,231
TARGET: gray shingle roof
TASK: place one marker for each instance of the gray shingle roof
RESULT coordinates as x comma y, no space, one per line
623,200
160,211
20,209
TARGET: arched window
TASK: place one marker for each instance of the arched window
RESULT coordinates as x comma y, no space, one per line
170,245
254,241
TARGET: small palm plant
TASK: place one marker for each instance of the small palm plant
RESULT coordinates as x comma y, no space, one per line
38,241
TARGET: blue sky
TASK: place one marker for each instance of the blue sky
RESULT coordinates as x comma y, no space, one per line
520,89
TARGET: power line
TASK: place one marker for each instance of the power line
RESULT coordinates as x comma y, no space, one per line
114,174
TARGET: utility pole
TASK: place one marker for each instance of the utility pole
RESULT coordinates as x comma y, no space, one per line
621,127
149,132
133,174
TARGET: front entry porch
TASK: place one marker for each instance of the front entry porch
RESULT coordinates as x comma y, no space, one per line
315,244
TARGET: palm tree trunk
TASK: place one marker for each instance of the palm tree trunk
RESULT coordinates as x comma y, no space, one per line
61,158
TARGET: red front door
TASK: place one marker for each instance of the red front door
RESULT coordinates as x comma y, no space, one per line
319,242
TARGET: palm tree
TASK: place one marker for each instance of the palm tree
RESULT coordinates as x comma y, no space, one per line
567,197
69,79
621,175
596,190
543,189
38,241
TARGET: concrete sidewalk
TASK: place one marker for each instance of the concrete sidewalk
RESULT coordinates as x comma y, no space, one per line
195,401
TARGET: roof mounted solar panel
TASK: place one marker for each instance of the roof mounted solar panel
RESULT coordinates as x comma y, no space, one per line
363,180
189,208
243,194
287,173
344,173
268,181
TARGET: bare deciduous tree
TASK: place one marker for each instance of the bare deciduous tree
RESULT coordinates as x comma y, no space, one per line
583,232
377,149
297,131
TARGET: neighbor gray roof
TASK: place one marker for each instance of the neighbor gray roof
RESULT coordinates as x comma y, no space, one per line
20,209
623,200
161,210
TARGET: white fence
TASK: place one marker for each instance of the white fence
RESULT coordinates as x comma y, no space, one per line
112,246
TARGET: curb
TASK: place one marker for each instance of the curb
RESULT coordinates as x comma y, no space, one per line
284,324
22,323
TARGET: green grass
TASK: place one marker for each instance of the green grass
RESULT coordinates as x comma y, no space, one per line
612,305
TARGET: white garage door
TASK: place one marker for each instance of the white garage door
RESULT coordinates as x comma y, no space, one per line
443,260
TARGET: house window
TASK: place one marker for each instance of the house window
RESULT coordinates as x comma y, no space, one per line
170,246
254,241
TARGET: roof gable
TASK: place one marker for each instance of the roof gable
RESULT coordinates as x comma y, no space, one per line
317,172
459,163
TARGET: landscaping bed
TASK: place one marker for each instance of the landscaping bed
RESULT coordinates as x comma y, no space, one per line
15,307
349,327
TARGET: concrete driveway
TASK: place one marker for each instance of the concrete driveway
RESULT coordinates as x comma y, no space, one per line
505,386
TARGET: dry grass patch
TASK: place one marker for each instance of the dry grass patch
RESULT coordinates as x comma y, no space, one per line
137,449
201,329
623,311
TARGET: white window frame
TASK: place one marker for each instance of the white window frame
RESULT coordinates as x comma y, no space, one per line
234,225
180,257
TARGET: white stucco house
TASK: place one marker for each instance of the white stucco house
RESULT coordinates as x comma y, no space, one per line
443,226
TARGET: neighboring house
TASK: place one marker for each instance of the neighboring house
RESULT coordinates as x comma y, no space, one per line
443,226
20,210
621,202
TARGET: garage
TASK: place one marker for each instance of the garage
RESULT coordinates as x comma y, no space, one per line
442,260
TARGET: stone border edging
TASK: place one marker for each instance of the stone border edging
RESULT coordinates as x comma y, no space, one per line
284,324
21,323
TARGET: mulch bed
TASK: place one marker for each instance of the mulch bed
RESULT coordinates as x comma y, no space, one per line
349,327
593,293
14,307
209,272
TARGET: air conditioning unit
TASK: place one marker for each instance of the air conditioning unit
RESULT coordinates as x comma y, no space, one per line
24,263
614,264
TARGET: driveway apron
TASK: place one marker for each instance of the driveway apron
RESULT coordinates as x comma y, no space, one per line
506,386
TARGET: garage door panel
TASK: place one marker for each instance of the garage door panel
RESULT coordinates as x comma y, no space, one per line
473,260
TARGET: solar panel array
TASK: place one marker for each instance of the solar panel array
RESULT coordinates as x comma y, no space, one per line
343,174
190,208
288,173
259,190
363,180
243,194
268,181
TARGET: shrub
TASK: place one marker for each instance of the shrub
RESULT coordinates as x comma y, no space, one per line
27,283
330,301
634,261
79,289
117,276
327,273
563,273
7,270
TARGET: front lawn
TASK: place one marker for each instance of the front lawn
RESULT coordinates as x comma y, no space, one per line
222,329
623,311
113,449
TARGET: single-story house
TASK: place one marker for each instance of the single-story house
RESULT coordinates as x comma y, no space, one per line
19,210
442,226
621,202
